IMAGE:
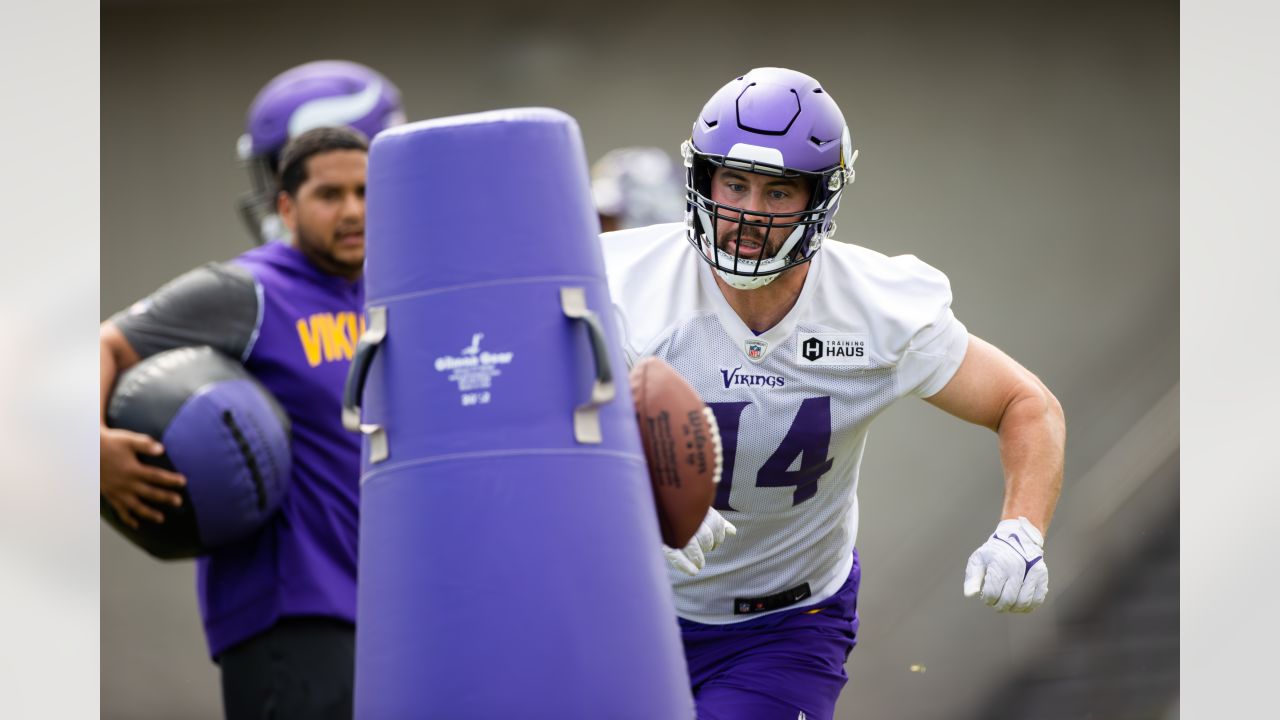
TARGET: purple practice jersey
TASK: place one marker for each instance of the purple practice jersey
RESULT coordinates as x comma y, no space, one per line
295,328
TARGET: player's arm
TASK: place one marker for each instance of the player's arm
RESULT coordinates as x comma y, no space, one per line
215,305
124,480
991,389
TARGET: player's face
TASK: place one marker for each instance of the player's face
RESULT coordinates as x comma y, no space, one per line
760,193
327,216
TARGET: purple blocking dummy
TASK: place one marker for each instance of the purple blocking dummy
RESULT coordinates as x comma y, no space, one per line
509,555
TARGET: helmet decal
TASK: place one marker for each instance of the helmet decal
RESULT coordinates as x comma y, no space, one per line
335,110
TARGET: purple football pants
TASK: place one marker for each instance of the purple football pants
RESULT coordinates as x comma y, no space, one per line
786,665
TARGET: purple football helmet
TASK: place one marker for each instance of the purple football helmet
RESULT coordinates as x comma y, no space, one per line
324,93
771,121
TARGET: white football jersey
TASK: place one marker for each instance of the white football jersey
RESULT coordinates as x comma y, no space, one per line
793,403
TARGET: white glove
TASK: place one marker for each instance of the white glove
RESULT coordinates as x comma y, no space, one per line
1009,570
711,534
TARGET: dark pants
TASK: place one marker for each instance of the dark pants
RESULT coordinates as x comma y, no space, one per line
302,667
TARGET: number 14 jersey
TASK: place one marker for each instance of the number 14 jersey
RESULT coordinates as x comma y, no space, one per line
793,403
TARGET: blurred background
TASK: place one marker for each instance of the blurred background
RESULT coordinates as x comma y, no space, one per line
1028,151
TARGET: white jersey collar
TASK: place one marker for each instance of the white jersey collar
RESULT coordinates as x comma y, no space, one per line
755,348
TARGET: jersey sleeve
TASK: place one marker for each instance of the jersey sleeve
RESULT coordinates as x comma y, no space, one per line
624,336
218,305
905,305
653,283
934,354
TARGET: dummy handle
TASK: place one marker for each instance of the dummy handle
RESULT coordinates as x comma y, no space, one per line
586,417
375,332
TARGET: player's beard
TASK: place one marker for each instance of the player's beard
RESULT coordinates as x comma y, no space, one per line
329,254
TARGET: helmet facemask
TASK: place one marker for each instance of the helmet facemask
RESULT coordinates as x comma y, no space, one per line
809,227
258,206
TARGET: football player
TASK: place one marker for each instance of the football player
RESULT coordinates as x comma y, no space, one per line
323,93
797,349
279,607
637,186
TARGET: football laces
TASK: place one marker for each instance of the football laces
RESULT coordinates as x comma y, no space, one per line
715,442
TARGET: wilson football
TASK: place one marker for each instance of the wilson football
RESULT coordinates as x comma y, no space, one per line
681,446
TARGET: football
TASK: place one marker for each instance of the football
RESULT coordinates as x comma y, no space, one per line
681,446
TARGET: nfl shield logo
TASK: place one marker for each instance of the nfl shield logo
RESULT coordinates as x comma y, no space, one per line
756,348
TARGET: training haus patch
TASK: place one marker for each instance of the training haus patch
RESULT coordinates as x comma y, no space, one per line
846,349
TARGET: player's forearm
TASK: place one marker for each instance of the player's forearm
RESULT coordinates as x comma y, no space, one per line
1032,445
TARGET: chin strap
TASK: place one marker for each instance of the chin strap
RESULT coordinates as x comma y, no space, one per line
746,282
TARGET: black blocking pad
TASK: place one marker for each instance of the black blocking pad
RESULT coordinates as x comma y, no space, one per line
147,399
